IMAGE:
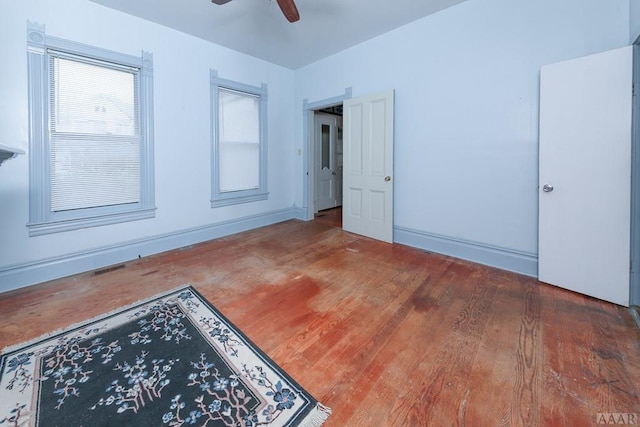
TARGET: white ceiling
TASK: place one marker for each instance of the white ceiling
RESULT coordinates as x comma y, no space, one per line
258,28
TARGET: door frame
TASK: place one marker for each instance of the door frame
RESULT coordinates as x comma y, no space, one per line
634,277
308,159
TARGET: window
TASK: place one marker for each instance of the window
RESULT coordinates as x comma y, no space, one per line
91,139
239,172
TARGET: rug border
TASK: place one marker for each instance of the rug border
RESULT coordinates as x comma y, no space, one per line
317,413
15,347
314,416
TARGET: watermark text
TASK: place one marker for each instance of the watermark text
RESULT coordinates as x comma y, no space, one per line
618,418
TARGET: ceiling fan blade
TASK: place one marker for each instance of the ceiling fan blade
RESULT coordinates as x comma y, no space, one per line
220,1
289,10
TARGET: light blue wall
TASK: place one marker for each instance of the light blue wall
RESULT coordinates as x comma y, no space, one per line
466,118
182,140
466,82
634,20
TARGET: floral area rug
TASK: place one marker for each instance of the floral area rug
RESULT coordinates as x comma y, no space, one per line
172,360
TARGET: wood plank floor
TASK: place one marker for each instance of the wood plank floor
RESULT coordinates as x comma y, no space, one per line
386,335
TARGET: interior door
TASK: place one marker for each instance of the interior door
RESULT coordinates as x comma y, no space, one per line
368,166
327,166
339,160
585,175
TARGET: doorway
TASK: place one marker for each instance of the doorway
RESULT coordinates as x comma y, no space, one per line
367,184
312,153
327,141
327,165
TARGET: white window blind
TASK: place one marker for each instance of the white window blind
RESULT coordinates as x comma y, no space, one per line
95,141
239,140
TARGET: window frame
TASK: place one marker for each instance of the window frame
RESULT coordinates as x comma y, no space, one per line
42,220
220,198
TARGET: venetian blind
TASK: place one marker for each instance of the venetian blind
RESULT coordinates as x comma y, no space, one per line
95,144
239,140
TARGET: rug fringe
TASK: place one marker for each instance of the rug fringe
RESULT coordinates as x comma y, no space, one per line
317,416
15,347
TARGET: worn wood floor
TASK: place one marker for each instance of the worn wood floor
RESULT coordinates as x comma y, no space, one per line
386,335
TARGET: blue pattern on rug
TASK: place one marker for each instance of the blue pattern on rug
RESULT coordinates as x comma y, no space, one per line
172,361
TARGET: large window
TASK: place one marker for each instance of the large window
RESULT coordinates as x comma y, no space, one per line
239,142
91,136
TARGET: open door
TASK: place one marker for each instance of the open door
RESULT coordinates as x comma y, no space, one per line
585,175
368,166
328,161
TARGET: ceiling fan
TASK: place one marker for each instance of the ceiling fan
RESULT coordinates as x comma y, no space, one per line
288,8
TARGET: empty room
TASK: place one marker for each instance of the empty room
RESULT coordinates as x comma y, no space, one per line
319,212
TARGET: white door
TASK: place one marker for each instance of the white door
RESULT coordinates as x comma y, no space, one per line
328,166
339,161
368,166
585,175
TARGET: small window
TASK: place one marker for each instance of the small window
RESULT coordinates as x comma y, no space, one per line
239,142
91,138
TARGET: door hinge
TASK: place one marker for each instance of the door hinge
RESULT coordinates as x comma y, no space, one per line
633,89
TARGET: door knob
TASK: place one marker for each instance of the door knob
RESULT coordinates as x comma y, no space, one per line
387,178
547,188
333,173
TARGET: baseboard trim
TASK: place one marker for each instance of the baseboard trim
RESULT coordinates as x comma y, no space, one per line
22,275
506,259
635,313
300,213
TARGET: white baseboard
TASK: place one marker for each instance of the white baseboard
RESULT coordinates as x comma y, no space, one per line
300,213
21,275
506,259
18,276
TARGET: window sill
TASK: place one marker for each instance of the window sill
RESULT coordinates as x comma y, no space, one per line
236,200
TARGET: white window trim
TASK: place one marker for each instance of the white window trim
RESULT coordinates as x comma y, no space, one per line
219,198
41,219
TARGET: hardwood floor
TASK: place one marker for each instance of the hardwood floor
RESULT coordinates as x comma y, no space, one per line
386,335
330,217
